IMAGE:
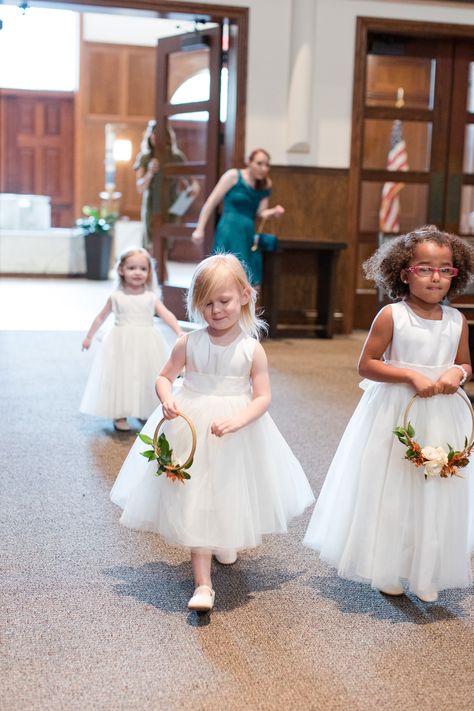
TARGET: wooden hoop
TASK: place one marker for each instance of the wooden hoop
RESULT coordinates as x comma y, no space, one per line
461,395
189,460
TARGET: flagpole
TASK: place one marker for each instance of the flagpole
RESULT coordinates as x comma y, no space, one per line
397,160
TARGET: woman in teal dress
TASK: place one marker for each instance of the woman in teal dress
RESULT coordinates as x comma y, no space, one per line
245,194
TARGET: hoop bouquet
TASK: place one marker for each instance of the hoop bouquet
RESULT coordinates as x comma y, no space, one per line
162,453
435,460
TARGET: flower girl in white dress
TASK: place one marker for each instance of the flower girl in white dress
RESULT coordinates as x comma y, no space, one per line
245,481
122,378
379,518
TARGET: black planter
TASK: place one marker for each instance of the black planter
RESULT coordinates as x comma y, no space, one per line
98,250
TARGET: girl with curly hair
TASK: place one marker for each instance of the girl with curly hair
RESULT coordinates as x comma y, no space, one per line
378,520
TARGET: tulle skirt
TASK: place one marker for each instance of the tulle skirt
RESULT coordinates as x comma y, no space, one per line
243,485
121,382
377,519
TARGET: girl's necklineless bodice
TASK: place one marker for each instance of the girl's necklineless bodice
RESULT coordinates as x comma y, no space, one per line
134,293
423,318
224,345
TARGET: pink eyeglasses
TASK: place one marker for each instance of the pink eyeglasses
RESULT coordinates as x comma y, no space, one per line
423,270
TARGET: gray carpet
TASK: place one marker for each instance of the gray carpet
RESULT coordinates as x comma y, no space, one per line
94,615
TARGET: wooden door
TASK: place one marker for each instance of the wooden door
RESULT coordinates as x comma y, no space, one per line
188,148
414,93
36,142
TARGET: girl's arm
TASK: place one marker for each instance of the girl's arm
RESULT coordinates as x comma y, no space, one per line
97,323
144,177
164,382
449,382
225,183
168,317
261,397
372,367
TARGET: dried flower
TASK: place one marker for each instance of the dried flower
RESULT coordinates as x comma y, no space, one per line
435,460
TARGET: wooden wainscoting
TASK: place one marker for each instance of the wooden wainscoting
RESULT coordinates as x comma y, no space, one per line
315,201
117,86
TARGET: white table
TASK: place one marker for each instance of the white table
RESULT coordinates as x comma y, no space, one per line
55,250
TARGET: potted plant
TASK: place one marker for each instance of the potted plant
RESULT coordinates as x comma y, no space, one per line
96,226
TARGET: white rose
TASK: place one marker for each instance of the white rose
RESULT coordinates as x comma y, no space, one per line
437,459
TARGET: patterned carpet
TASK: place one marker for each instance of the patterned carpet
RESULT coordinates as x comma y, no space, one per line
94,615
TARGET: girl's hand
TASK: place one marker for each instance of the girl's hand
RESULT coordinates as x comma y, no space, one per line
222,427
449,382
424,386
170,409
153,166
278,211
86,344
197,235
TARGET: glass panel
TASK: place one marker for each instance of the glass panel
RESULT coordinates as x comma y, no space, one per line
385,75
182,68
470,89
188,136
409,204
468,163
184,196
378,138
466,217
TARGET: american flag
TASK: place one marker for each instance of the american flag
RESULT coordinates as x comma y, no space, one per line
389,213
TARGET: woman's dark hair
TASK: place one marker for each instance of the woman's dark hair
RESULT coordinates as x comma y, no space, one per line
265,183
385,265
146,146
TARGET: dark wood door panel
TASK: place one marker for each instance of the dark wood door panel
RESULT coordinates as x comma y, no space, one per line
38,132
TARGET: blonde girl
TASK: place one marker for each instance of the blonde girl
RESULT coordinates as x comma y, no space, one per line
121,381
245,481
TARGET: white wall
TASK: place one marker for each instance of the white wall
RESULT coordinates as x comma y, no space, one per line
269,69
334,64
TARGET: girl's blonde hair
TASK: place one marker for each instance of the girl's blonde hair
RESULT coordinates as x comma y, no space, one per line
150,283
385,265
214,272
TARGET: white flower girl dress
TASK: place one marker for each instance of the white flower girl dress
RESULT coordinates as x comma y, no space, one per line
377,518
243,485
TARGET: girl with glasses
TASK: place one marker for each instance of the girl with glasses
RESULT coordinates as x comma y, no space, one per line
379,519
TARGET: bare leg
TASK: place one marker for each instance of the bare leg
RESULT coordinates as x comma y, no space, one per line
203,597
201,563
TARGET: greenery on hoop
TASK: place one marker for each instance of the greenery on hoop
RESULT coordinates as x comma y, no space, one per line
435,460
163,454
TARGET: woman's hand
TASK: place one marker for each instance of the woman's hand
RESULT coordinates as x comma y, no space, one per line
278,211
198,235
86,344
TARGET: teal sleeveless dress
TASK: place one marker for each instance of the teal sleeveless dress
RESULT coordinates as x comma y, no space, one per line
236,228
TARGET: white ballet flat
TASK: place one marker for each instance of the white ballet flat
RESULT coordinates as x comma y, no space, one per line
426,595
393,590
226,557
121,424
203,599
